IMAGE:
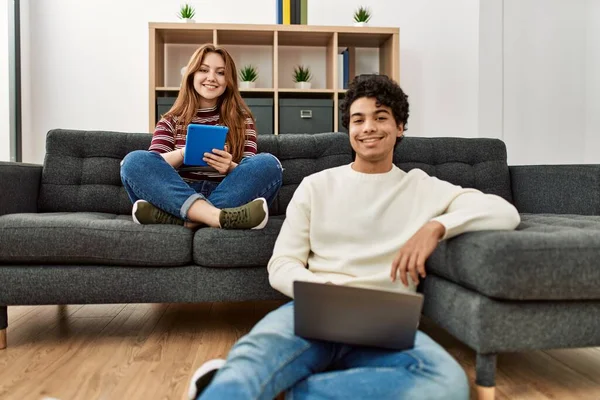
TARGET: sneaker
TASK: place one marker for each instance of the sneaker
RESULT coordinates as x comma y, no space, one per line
253,215
145,213
203,376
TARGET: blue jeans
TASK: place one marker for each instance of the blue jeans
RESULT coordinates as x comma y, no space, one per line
146,175
271,359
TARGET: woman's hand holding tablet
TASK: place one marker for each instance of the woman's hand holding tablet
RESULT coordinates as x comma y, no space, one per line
203,139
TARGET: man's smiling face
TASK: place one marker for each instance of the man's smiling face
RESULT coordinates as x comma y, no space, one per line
373,133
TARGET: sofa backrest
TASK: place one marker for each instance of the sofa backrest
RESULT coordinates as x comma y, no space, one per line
81,168
471,163
478,163
302,155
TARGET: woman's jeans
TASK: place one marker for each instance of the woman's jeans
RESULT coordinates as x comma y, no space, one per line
146,175
271,359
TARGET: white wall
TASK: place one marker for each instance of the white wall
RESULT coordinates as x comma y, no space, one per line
439,55
89,60
551,81
491,69
4,110
592,80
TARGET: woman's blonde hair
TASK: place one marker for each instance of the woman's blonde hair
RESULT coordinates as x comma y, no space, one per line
233,111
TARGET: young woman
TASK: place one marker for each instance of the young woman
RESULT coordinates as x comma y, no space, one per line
236,192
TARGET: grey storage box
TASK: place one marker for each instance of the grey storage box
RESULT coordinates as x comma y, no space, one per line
163,105
305,115
262,110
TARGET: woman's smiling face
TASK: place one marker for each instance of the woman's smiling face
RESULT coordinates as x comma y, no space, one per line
209,80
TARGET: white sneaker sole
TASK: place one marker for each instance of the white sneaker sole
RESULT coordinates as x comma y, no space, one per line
135,207
266,210
207,367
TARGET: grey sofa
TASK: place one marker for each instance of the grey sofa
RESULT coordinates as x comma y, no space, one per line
66,237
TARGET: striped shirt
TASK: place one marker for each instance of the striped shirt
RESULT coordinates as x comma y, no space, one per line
167,138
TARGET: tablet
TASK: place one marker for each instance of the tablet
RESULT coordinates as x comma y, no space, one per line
203,139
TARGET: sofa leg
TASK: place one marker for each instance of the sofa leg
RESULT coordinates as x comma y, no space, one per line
485,369
3,325
486,393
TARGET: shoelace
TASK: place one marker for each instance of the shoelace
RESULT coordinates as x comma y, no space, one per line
163,217
236,217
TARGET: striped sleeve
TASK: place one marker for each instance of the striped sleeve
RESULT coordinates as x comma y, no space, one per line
163,139
250,147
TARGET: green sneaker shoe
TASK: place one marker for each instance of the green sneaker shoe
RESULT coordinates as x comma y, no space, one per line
253,215
145,213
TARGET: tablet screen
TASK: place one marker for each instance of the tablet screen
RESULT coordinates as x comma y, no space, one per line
203,139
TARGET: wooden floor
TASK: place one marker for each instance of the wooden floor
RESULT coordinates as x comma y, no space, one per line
144,351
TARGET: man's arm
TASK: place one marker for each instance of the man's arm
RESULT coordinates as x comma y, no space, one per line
290,254
465,210
471,210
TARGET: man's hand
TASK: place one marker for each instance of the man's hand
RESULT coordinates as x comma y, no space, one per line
219,160
411,257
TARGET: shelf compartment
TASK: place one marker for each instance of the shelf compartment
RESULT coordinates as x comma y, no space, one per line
260,56
186,36
362,39
242,37
308,38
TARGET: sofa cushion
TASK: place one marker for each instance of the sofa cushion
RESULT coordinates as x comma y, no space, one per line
236,248
548,257
91,238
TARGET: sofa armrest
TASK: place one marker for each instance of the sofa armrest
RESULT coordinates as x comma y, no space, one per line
556,189
19,187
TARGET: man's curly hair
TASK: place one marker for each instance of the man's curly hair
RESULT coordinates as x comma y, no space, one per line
383,89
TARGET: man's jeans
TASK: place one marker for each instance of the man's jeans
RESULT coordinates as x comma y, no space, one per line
271,359
146,175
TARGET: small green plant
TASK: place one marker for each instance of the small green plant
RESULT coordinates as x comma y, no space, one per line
362,14
248,74
187,12
302,74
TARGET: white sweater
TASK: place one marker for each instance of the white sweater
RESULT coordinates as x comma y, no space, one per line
346,227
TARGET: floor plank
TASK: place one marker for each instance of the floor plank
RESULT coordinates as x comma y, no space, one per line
37,364
98,310
520,392
33,313
584,361
163,363
17,312
547,375
112,354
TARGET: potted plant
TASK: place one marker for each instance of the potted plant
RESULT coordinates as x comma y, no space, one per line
248,77
362,16
302,77
186,13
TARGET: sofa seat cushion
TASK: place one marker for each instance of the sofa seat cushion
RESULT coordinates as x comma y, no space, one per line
236,248
548,257
91,238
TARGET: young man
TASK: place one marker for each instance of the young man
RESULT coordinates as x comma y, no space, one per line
366,224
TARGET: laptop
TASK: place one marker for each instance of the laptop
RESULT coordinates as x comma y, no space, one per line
356,316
